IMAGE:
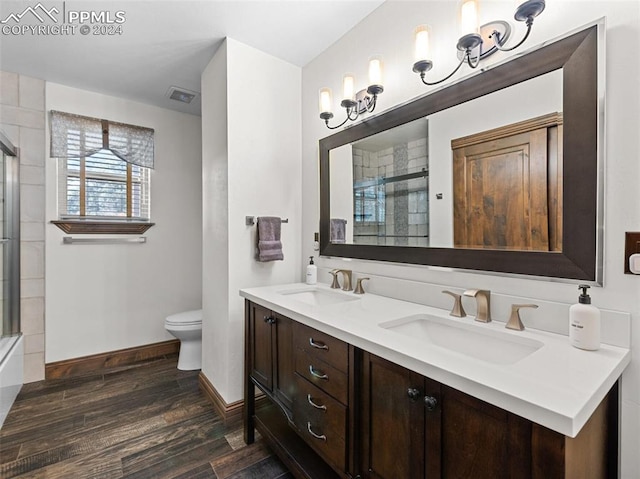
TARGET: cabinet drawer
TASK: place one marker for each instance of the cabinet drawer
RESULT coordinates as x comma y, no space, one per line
325,347
323,430
312,404
323,375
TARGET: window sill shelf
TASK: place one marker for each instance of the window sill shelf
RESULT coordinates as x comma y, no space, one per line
102,227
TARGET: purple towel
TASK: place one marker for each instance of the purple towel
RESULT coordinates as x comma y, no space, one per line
338,227
269,245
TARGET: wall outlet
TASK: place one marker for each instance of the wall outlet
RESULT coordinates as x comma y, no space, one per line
631,247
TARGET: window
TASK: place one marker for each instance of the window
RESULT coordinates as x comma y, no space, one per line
104,170
102,185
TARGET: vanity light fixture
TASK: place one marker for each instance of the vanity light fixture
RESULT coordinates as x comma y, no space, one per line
475,42
354,103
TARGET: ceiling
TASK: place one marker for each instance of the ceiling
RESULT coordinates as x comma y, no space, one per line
165,43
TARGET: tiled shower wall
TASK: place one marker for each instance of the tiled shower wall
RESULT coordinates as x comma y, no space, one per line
22,118
406,203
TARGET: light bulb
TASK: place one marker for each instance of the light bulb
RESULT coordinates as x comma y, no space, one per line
469,17
325,100
375,70
422,50
348,87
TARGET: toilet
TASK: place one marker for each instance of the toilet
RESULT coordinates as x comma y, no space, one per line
187,327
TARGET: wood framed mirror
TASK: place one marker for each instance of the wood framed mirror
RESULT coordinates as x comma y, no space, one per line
570,247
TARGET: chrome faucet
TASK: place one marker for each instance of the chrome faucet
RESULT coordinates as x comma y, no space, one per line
483,304
346,276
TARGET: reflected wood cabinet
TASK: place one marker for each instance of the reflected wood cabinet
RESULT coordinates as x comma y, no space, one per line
507,187
335,411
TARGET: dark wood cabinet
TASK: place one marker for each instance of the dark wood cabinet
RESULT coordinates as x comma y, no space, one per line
312,445
283,379
321,402
415,427
392,423
260,344
335,411
270,353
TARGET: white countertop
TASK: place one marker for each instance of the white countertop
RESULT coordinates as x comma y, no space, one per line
557,386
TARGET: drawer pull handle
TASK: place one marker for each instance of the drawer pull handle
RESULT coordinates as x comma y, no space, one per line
269,319
317,436
317,345
323,407
317,374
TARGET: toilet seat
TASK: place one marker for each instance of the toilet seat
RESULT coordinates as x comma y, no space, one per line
186,318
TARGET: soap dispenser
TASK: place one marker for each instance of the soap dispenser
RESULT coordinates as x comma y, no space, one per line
584,322
312,272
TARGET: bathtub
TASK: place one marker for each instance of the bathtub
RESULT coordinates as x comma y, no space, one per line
11,373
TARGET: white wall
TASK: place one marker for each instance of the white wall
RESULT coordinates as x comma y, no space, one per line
251,167
108,297
215,214
388,31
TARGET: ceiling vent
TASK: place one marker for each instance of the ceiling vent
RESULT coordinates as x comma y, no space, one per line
181,94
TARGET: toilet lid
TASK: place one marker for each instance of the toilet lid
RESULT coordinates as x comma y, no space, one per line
185,318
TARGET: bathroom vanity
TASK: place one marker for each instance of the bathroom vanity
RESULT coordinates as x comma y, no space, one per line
373,387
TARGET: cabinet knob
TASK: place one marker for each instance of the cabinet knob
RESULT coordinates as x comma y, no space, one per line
430,403
413,393
269,319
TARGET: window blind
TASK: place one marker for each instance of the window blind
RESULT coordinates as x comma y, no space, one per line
75,136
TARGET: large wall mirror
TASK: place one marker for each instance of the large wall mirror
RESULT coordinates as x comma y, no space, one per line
499,172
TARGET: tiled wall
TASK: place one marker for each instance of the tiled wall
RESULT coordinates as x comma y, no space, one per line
404,203
22,118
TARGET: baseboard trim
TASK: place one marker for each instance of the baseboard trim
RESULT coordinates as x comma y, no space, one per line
99,362
229,412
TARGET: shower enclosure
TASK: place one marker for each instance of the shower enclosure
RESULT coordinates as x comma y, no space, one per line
11,343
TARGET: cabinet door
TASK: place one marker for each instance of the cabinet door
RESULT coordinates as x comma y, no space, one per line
505,187
392,439
284,381
261,338
478,440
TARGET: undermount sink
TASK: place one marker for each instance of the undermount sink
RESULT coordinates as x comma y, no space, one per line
489,345
318,297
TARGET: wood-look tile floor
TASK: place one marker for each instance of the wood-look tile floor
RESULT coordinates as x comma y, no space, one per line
148,421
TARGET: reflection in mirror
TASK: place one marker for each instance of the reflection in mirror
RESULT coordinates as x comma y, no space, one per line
386,177
484,174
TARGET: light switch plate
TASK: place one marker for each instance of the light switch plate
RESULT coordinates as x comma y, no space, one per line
631,247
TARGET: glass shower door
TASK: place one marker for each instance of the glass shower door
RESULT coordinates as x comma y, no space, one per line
6,328
10,240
